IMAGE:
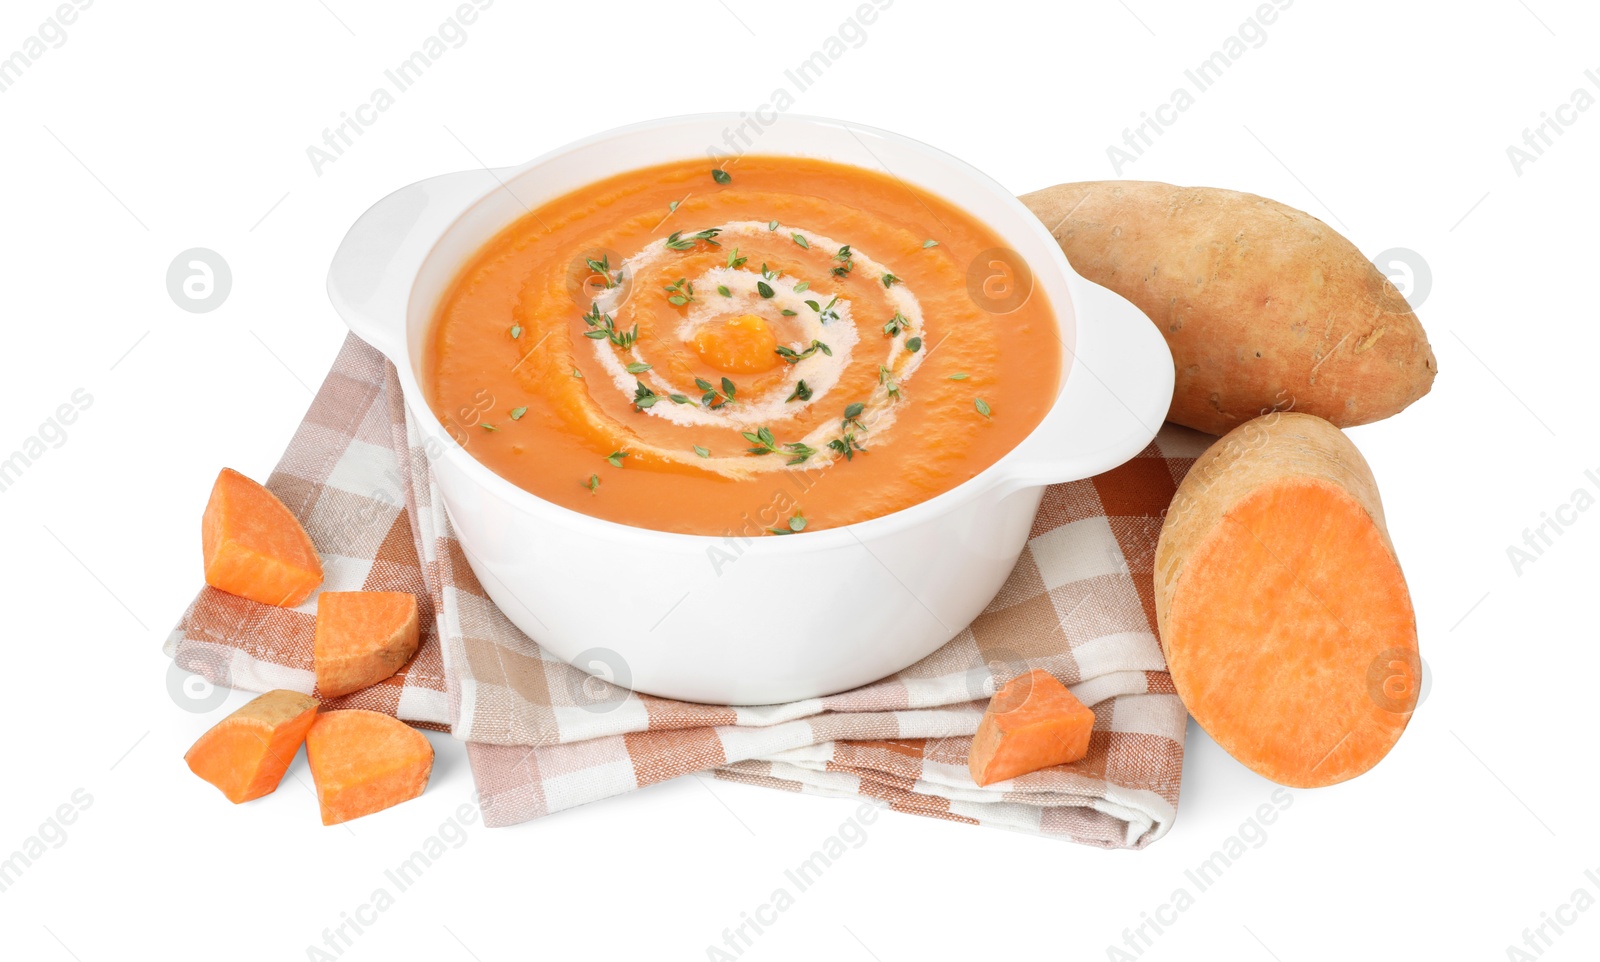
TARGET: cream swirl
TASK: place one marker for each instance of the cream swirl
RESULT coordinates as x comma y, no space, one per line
808,315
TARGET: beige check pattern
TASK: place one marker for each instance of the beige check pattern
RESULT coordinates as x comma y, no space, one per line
543,736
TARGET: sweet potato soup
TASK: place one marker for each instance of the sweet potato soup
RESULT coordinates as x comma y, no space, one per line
775,345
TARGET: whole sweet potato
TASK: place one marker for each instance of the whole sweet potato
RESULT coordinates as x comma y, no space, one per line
1264,306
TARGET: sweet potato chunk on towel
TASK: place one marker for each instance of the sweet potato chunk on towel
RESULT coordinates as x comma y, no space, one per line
362,638
1033,722
365,762
254,547
246,754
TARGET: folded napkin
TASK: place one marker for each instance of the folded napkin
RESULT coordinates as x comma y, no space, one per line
543,736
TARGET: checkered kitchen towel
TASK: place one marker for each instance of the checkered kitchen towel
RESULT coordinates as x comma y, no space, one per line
543,736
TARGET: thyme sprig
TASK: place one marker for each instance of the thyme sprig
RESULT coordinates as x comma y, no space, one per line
603,268
852,418
644,398
846,443
847,262
825,312
763,442
602,326
796,524
795,357
713,397
891,387
680,292
676,241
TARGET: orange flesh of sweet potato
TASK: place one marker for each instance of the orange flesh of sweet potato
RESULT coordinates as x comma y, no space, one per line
362,638
1283,612
1033,722
365,762
246,754
254,547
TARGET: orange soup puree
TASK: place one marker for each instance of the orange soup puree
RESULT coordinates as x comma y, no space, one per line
778,345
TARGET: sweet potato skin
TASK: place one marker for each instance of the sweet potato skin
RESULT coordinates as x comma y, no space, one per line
1264,307
1261,472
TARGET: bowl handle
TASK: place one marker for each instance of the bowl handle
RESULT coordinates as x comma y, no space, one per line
370,279
1118,388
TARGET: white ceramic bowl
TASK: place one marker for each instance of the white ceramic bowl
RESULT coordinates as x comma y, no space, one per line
785,618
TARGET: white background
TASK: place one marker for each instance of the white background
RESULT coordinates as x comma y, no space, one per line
159,127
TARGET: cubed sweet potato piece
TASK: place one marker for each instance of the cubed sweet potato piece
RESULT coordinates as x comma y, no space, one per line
365,762
1032,722
254,546
362,638
246,754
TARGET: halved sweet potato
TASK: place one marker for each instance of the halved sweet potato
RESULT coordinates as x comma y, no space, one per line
254,547
246,754
365,762
362,638
1283,612
1032,722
